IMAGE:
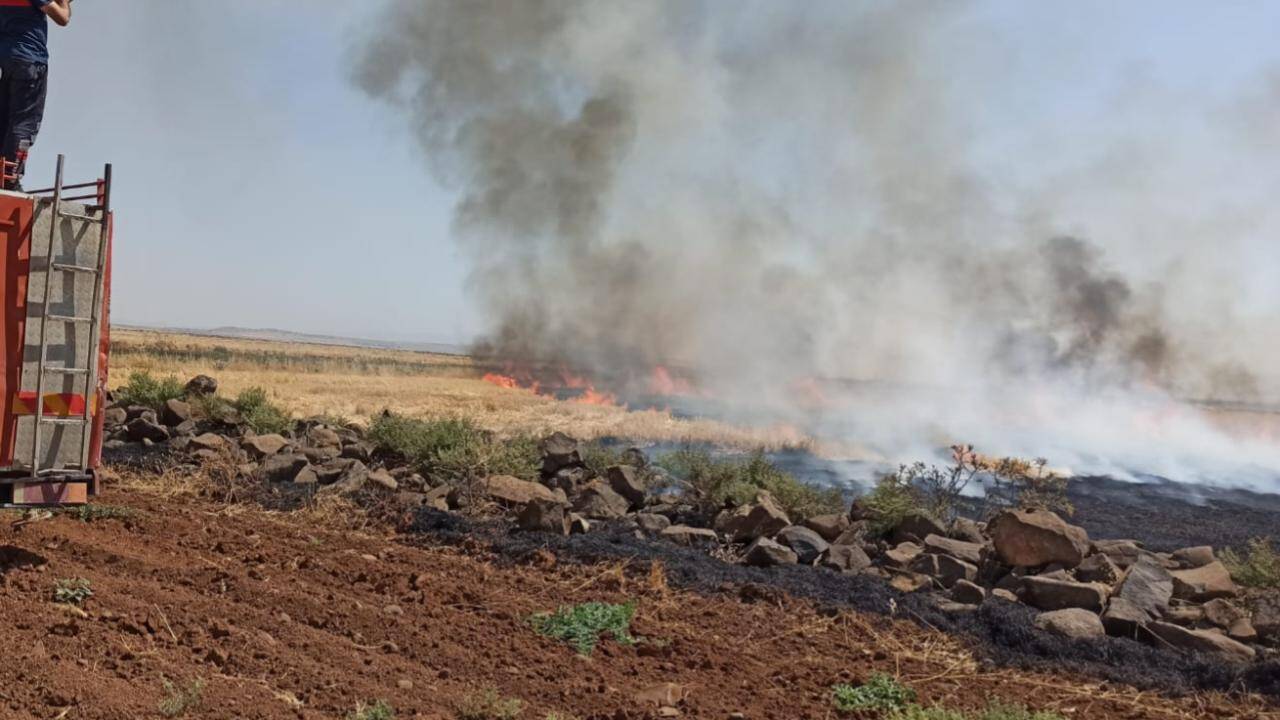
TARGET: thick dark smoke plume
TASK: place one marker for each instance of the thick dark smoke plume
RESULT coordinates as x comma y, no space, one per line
767,193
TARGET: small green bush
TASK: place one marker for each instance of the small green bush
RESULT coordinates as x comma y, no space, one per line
178,700
72,591
599,458
455,449
888,504
1258,567
379,710
143,389
260,413
734,481
879,692
581,625
92,513
488,705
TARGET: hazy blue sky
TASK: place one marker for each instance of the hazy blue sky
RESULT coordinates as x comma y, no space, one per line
257,187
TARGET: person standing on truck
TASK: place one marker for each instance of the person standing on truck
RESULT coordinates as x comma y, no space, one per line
24,74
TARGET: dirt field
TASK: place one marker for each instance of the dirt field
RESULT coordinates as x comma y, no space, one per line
278,616
355,383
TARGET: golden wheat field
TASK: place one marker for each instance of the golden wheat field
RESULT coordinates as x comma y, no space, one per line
356,383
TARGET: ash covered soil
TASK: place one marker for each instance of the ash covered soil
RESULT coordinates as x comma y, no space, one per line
282,616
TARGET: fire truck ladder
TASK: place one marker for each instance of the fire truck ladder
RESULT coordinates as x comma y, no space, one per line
98,213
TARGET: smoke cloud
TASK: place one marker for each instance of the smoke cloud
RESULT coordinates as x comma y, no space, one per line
771,194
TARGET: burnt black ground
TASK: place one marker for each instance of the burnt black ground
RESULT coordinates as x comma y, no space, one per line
1001,632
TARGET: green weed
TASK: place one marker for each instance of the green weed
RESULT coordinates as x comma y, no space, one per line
143,389
178,700
379,710
92,513
72,591
1258,567
455,449
582,625
488,705
879,692
721,481
260,413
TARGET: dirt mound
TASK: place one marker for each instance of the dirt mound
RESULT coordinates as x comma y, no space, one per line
276,616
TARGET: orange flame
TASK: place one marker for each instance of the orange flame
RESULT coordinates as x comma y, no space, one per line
502,381
591,396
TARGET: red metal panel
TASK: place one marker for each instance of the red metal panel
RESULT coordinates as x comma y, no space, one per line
104,353
16,213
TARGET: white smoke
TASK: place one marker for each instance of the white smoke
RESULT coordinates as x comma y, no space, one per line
770,193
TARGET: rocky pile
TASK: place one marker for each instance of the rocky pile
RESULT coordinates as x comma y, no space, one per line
1184,600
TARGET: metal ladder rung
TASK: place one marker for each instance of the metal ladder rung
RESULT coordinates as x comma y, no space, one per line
69,318
67,370
63,421
78,216
75,268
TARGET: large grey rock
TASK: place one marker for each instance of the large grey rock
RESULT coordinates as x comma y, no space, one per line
114,417
846,559
175,412
1122,618
281,468
944,568
748,522
902,555
598,501
1071,623
142,428
202,385
1201,641
1204,583
627,481
1030,538
1122,552
917,526
558,451
968,593
652,523
805,543
968,531
260,446
323,437
1100,569
207,441
1049,594
959,549
690,536
1266,619
828,526
1231,618
546,516
514,492
763,552
1148,586
1194,557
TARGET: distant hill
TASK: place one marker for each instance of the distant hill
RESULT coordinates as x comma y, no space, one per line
274,335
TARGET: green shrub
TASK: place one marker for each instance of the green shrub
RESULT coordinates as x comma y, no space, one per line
599,458
379,710
72,591
880,692
178,700
143,389
455,449
721,481
1258,567
91,513
488,705
888,504
581,625
259,412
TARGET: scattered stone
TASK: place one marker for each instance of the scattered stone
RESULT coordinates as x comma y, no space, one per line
626,481
763,552
202,385
1203,583
1229,617
690,536
652,523
1072,623
578,525
261,446
306,476
944,568
1148,586
359,450
828,527
142,428
175,412
1122,552
968,531
208,441
543,516
749,522
959,549
855,534
846,559
1100,568
1049,594
1031,538
437,497
114,416
1266,619
133,412
1006,595
322,437
1194,557
909,582
1201,641
1184,614
968,593
382,479
185,429
599,502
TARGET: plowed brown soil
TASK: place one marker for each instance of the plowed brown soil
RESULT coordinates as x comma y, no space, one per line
283,618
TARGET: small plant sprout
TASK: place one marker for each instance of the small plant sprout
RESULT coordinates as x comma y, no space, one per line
581,625
72,591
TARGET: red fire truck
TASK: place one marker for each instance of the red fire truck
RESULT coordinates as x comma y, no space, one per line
55,276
